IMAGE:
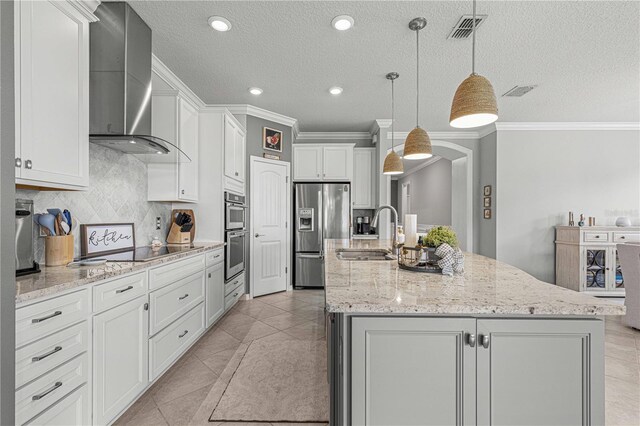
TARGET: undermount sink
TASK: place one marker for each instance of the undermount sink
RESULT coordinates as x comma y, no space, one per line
356,254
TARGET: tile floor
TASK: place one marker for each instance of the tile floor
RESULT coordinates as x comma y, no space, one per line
185,394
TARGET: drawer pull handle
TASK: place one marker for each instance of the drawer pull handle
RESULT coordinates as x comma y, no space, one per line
122,290
43,356
55,314
217,255
622,238
47,392
183,297
597,236
235,294
183,334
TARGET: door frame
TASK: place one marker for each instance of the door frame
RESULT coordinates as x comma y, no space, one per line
252,162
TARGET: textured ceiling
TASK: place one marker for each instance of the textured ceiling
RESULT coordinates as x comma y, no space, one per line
585,57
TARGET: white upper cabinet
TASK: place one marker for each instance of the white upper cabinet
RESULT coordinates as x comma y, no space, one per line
324,162
307,162
174,119
52,94
363,185
234,155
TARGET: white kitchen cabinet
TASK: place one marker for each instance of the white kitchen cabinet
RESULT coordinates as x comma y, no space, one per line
234,155
174,119
307,162
72,410
52,94
215,293
323,162
120,358
363,184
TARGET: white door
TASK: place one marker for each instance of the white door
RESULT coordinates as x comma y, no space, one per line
52,91
120,358
337,162
307,162
188,177
269,204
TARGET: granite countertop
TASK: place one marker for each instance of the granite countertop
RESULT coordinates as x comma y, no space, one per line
487,287
53,280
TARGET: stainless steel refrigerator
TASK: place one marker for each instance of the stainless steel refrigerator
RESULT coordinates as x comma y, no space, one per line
322,211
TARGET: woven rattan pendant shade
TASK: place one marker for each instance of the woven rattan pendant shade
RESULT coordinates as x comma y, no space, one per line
474,103
393,164
417,146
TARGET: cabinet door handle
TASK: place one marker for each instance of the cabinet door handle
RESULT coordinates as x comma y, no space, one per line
122,290
180,336
485,340
18,162
47,392
318,175
236,173
183,297
622,238
182,192
28,164
37,320
43,356
471,339
209,274
146,306
259,235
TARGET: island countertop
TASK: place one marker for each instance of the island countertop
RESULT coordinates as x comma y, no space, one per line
487,287
52,280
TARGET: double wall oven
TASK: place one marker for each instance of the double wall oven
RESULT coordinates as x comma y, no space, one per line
235,234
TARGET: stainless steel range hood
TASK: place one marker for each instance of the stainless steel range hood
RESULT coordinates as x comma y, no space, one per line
120,86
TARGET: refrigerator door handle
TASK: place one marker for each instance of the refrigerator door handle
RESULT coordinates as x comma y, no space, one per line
309,256
320,218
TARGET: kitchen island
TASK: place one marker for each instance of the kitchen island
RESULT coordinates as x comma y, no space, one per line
493,345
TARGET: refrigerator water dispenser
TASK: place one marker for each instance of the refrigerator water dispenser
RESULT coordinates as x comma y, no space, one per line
305,220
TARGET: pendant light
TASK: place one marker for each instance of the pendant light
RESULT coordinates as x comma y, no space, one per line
474,103
392,162
417,146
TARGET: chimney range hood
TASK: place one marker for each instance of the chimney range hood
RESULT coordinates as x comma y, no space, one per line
120,86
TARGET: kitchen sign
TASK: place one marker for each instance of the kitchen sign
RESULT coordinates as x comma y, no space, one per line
106,238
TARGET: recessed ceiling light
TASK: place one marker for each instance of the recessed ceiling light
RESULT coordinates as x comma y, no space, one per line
159,152
342,22
219,23
335,90
255,91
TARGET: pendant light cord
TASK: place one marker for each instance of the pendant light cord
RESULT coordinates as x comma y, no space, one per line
392,114
418,77
473,38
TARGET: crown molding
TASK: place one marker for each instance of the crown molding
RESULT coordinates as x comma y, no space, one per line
172,80
380,124
531,126
332,136
254,111
86,8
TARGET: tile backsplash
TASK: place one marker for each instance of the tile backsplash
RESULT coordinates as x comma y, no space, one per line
117,193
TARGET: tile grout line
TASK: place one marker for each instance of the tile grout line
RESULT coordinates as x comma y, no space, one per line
230,379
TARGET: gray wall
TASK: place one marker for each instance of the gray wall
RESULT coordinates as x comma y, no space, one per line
430,193
542,175
254,127
7,210
117,193
488,150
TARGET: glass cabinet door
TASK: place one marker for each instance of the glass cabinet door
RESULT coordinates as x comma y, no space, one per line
618,279
596,268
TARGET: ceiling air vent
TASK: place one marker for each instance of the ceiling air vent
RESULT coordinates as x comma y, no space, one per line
518,91
463,28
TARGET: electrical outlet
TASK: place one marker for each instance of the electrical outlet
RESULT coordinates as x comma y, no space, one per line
158,223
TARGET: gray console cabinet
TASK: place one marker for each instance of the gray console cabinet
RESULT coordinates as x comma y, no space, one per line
426,371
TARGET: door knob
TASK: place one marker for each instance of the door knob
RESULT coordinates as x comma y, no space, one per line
259,235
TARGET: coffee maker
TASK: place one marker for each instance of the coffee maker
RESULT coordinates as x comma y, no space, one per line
25,257
366,226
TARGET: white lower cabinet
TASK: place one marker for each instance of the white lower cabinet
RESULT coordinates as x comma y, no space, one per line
120,358
166,346
215,293
45,391
171,302
71,410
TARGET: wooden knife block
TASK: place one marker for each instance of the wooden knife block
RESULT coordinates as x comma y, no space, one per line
175,235
178,237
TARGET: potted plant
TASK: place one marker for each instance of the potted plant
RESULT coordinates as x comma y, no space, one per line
436,237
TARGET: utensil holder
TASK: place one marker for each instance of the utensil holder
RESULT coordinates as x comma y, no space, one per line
177,237
58,250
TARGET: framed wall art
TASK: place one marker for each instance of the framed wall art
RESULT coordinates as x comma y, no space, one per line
271,139
106,238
